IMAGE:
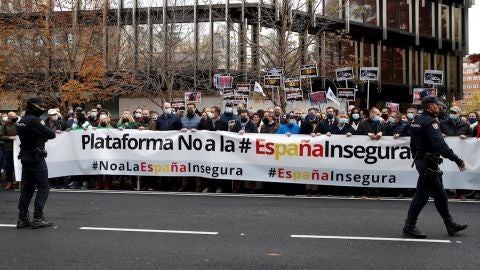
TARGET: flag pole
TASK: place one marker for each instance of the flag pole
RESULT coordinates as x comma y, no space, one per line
368,95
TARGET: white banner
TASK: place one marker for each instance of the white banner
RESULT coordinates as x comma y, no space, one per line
336,160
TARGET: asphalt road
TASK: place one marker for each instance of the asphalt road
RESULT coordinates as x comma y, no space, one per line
191,231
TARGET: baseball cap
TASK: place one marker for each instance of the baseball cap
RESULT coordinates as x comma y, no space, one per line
290,115
455,109
228,104
52,112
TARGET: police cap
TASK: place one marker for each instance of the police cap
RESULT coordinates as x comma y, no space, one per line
35,100
430,99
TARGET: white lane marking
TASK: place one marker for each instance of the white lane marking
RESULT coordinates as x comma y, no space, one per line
146,230
371,238
8,225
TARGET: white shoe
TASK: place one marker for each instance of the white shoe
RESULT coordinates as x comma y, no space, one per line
206,190
219,190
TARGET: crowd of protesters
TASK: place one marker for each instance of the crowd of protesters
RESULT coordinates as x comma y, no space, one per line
374,123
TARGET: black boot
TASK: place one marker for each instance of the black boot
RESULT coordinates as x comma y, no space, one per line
39,220
23,220
410,229
453,228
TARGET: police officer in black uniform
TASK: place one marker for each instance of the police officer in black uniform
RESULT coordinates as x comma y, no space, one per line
33,134
427,145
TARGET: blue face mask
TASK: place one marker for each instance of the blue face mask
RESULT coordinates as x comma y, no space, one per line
228,110
376,118
453,117
391,120
355,116
472,120
292,121
343,121
410,116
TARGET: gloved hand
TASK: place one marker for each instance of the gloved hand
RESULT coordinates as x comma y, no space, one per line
461,165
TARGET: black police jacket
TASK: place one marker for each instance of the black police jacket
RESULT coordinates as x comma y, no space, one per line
33,133
426,137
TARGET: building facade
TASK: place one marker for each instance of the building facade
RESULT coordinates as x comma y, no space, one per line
180,45
471,87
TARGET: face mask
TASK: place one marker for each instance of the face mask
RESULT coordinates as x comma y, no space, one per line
190,112
292,121
355,116
70,111
385,116
376,118
277,114
168,111
243,119
312,117
265,121
93,114
55,117
329,115
391,120
453,117
210,115
14,120
5,118
303,116
138,115
472,120
75,120
228,110
343,121
103,117
410,116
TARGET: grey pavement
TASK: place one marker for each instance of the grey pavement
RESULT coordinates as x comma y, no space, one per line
232,232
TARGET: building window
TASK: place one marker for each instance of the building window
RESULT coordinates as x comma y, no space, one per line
398,15
425,18
364,11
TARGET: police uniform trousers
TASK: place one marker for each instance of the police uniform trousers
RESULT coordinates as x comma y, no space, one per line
428,188
34,175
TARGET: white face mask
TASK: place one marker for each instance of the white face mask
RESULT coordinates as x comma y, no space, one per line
5,118
103,116
168,111
93,114
210,115
55,117
138,115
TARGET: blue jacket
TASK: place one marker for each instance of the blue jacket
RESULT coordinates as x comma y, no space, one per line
397,128
347,128
168,122
190,123
288,128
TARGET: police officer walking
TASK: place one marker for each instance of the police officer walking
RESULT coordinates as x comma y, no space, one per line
427,145
33,134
